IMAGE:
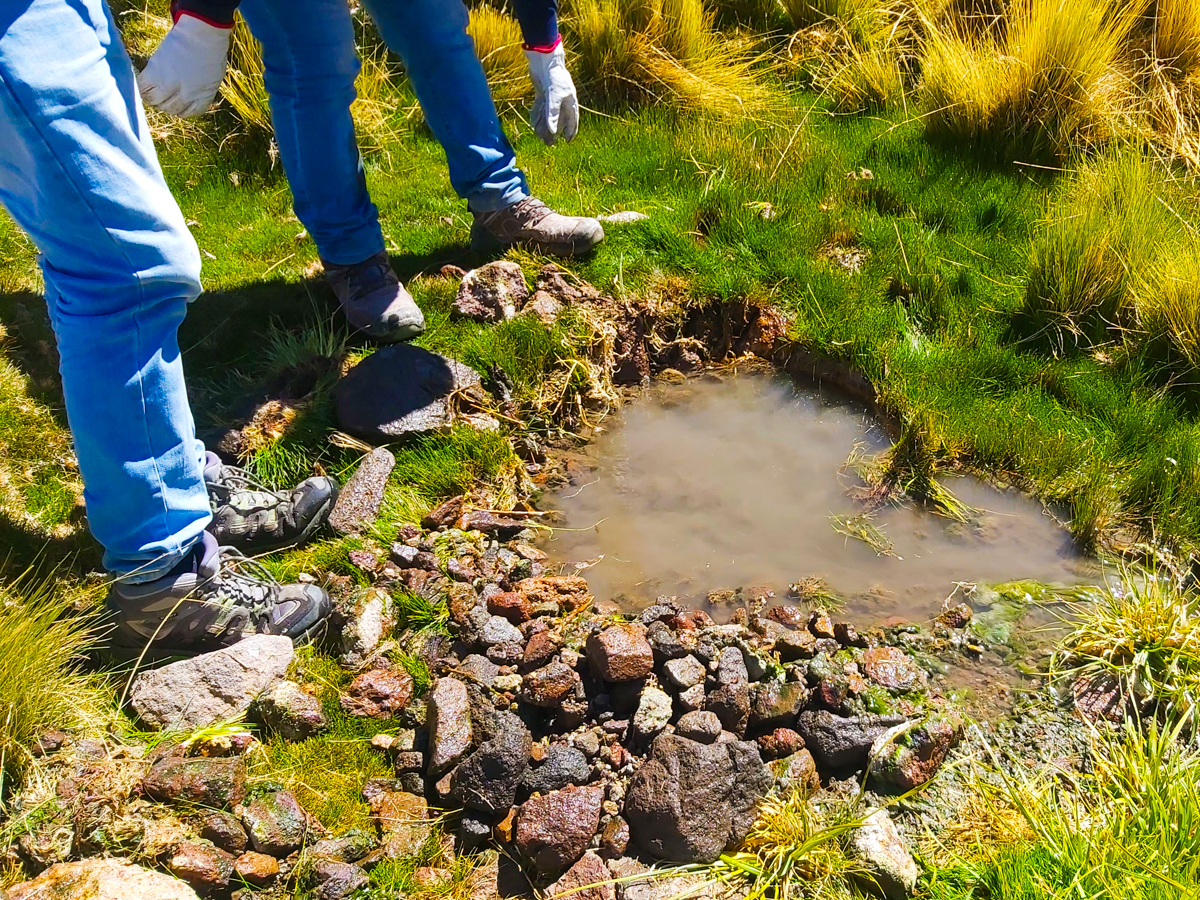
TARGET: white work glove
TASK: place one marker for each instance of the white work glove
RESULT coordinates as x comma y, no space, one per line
555,104
185,72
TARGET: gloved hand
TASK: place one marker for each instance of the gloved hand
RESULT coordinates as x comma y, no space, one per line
555,104
185,72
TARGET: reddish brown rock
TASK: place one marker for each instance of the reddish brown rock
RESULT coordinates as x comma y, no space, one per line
403,821
614,839
224,830
621,652
893,669
214,783
512,605
549,685
797,772
492,523
378,694
793,645
492,293
588,879
780,743
820,624
539,650
912,757
202,866
445,515
567,592
553,830
256,869
956,616
792,616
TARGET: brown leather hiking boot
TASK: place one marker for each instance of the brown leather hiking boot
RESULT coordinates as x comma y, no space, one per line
531,224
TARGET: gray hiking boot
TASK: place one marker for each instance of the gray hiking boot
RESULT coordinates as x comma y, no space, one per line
252,518
213,599
373,299
531,224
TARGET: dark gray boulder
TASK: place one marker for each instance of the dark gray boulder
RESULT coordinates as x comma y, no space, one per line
488,779
841,743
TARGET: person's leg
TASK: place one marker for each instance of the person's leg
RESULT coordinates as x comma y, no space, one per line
431,37
309,67
78,172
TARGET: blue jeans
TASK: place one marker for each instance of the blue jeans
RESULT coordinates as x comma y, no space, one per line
310,65
78,172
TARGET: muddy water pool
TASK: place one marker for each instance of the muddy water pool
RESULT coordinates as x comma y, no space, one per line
721,482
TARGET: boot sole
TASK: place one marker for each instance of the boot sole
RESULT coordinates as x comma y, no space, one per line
114,655
483,241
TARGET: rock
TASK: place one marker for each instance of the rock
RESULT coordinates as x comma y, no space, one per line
212,687
821,625
879,846
840,743
625,872
653,713
290,712
350,847
378,694
492,293
693,698
797,772
566,593
792,616
614,838
473,833
892,668
665,643
621,652
487,780
359,500
256,869
539,650
445,514
553,830
562,766
368,620
909,755
588,879
212,782
400,390
700,725
512,605
403,821
730,700
690,802
956,616
334,880
275,823
498,630
224,830
101,879
775,704
684,672
479,669
493,524
202,866
624,217
549,685
780,743
847,635
795,645
545,307
450,732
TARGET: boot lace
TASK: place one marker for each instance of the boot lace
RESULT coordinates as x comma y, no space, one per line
243,585
234,481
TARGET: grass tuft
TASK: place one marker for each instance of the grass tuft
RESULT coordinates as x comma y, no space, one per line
498,41
1177,35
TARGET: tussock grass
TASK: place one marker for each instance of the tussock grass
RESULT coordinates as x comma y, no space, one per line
43,642
1129,829
1145,633
1047,86
662,52
498,40
1177,35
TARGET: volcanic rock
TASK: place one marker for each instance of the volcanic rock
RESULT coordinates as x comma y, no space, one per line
588,879
892,668
797,771
256,869
565,593
445,514
498,630
492,293
840,743
906,759
879,846
684,672
775,704
290,712
653,713
202,866
449,720
378,694
211,782
101,879
730,700
212,687
553,830
780,743
403,821
275,823
545,307
369,618
539,650
224,830
359,500
621,652
699,725
512,605
548,685
487,780
690,802
562,766
400,390
334,880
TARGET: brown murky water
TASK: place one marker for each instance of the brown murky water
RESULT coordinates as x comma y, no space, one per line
714,484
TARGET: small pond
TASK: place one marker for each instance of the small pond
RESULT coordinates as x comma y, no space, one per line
741,480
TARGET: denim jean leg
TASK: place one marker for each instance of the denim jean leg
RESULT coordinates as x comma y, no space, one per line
309,67
78,172
431,37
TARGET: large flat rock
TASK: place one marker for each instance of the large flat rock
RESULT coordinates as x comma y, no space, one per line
400,390
101,879
213,687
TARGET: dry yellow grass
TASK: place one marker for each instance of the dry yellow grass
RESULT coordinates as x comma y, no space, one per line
497,38
1177,35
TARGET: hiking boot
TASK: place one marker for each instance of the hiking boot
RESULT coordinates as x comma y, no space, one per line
213,599
248,516
373,299
531,224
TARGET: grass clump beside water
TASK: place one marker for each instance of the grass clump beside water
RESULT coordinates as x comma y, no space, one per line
1129,828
